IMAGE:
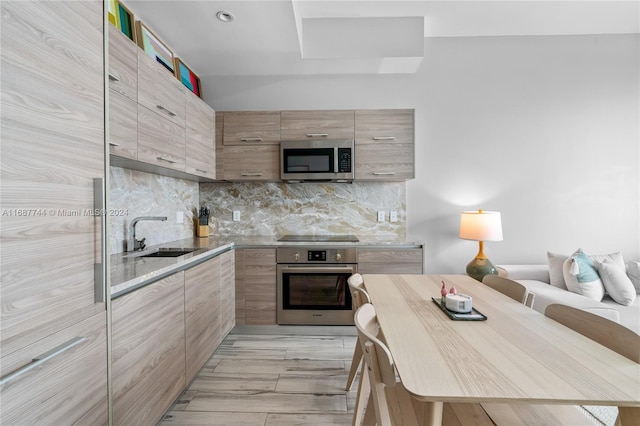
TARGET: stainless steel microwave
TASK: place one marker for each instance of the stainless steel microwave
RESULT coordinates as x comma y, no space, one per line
317,160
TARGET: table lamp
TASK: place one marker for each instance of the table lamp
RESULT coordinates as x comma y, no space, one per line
481,226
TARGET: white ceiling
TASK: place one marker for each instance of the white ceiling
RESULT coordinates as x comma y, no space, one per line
306,37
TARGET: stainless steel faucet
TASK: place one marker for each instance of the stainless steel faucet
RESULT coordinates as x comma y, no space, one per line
132,243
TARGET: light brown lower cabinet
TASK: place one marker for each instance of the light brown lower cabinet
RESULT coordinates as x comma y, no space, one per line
69,381
202,314
256,286
390,261
227,292
148,355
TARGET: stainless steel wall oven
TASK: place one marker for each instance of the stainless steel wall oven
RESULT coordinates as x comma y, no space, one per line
312,285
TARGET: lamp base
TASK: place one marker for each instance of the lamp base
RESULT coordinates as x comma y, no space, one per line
478,268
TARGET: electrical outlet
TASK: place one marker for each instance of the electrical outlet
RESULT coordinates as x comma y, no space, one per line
179,217
381,216
236,215
393,216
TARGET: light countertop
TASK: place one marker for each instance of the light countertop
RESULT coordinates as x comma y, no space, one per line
130,271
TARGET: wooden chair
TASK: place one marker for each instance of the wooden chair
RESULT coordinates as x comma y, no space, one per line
389,403
614,336
608,333
359,296
513,289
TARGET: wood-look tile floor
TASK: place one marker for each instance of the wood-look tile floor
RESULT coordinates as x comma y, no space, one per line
276,379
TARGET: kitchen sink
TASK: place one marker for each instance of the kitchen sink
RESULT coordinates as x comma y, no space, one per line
165,252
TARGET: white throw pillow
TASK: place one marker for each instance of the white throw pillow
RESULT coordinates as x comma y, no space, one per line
581,276
616,282
615,258
556,276
633,270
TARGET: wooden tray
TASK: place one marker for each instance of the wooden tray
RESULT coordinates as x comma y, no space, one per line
474,315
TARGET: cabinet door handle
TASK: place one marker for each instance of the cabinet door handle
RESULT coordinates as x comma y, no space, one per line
384,173
317,135
113,77
384,138
41,359
171,113
251,139
250,174
114,144
165,159
201,171
99,278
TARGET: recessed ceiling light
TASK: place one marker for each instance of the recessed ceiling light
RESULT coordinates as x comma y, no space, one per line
225,16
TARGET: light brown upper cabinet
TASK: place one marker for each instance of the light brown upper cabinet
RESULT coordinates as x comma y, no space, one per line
251,127
161,116
384,145
159,90
200,138
252,162
123,95
154,120
123,64
251,142
334,124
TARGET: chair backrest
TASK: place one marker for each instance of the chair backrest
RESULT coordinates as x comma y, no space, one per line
378,362
614,336
358,294
513,289
379,359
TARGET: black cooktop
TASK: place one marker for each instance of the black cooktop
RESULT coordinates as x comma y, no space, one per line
320,238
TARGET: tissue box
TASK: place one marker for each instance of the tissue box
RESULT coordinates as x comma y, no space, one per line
458,303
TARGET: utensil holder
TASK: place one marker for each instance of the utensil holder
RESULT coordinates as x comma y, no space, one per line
202,231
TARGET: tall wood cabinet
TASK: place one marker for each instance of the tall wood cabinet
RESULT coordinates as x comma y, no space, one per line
53,328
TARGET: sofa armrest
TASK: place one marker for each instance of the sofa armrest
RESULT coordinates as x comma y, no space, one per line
525,272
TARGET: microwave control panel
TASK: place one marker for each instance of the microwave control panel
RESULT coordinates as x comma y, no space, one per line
344,160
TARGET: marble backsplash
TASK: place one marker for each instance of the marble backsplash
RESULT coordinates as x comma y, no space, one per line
143,194
307,208
272,209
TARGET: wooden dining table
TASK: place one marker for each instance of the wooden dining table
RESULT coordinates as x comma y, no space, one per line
516,355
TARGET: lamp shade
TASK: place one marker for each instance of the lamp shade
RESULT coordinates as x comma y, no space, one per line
481,226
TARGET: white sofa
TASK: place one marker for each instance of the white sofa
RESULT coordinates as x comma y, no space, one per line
537,280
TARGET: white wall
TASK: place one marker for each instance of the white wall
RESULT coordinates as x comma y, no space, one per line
543,129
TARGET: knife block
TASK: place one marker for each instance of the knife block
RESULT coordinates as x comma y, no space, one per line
202,231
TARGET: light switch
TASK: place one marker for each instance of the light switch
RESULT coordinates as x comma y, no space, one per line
381,215
180,217
236,215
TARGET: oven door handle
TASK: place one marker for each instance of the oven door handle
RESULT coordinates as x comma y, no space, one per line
318,269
